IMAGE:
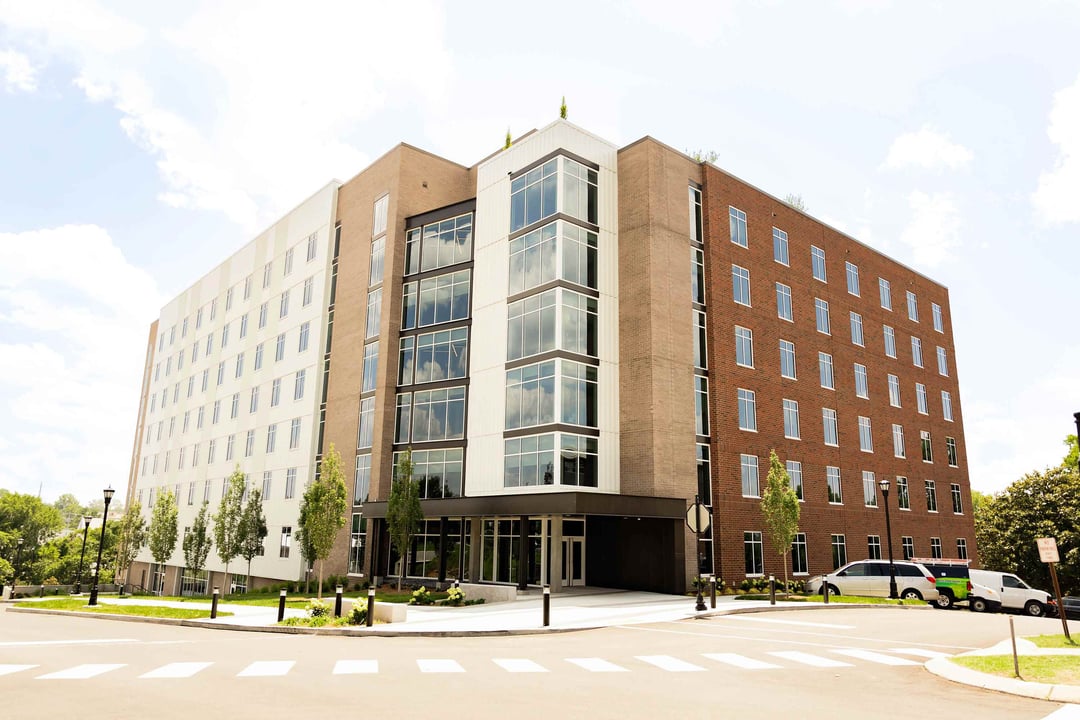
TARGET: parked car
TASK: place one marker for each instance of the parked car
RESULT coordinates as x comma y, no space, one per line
871,578
954,585
1071,605
1015,593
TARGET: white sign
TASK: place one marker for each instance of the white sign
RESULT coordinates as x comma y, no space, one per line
697,518
1048,552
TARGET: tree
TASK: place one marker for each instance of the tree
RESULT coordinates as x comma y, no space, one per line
403,511
227,520
1072,458
132,539
780,506
704,156
252,529
307,554
71,510
322,512
562,108
163,530
507,139
197,542
796,202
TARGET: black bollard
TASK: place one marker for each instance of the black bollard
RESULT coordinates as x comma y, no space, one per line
772,590
370,606
281,607
712,592
547,606
825,592
213,605
337,602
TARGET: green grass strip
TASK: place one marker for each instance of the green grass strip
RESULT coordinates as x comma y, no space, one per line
156,611
1052,669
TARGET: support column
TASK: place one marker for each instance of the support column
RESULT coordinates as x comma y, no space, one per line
556,553
442,549
374,528
476,543
523,553
462,540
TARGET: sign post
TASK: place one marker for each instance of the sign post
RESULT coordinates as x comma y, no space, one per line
1048,553
698,521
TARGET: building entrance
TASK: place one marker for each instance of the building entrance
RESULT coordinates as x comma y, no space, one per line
573,562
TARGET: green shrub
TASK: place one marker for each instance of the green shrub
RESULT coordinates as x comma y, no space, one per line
478,601
358,614
454,596
421,596
745,585
317,608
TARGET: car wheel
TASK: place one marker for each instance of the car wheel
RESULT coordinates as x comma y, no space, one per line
833,590
1034,608
979,605
945,601
911,594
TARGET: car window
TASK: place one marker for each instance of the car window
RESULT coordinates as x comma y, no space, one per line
854,571
907,570
879,569
1011,581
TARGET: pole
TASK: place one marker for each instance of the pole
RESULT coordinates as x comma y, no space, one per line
712,592
1016,660
82,555
699,604
547,606
281,607
370,606
772,590
213,605
101,546
825,590
1060,604
888,536
337,601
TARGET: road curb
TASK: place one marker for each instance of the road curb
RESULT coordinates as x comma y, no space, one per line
945,668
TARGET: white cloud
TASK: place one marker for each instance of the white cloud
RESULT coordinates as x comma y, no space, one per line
17,72
934,231
927,149
1055,200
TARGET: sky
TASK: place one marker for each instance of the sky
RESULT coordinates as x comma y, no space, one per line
143,143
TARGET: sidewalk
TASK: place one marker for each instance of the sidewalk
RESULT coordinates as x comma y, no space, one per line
944,667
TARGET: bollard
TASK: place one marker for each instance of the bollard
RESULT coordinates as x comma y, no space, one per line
337,602
370,606
825,592
772,590
213,605
547,606
281,607
712,592
122,589
1012,634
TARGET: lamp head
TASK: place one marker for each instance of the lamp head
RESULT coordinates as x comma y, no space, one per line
19,542
108,494
883,483
86,520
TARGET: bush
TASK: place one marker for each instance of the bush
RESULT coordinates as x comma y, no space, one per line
358,614
454,596
745,586
421,596
318,609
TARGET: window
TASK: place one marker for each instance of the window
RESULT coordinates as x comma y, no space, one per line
224,336
695,215
289,260
198,320
239,364
852,278
367,421
912,307
309,290
920,398
271,438
437,472
894,390
931,496
740,285
961,548
529,461
216,413
942,362
744,347
916,351
578,394
228,448
890,340
747,410
939,324
828,421
908,544
243,326
249,443
825,370
283,304
275,392
263,309
856,329
885,291
927,448
435,414
379,215
530,395
374,312
749,468
704,477
700,341
286,542
799,566
370,367
253,405
817,263
298,384
210,454
701,405
946,405
258,356
205,379
821,315
873,547
866,440
903,498
579,191
957,499
780,246
563,250
267,269
533,196
783,302
697,275
213,309
290,483
935,547
294,434
898,441
191,386
235,406
839,551
754,552
195,351
199,417
737,223
950,451
436,356
228,299
794,471
832,483
862,389
362,479
869,489
268,477
279,349
791,420
440,299
787,359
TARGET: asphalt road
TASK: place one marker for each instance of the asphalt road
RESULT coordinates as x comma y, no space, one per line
855,663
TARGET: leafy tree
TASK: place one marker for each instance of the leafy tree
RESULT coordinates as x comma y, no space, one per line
1072,458
227,520
322,512
507,139
562,108
132,539
780,506
796,202
403,511
704,156
163,529
71,510
197,542
978,499
27,517
307,554
252,529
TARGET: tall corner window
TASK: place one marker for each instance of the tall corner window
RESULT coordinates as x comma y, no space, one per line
737,223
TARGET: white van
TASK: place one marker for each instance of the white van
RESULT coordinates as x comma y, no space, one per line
1015,593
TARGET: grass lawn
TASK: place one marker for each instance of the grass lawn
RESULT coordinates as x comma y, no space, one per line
1054,669
853,599
1055,641
105,608
295,600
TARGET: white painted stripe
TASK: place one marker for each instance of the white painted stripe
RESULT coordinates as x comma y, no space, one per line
267,668
27,643
519,665
11,669
176,670
746,618
871,656
439,666
920,652
808,659
740,661
1065,712
596,665
356,667
671,664
82,672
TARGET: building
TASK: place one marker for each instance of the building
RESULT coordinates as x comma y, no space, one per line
575,340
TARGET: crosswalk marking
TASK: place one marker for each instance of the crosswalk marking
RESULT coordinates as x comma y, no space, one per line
356,667
871,656
919,652
82,672
439,666
519,665
177,670
671,664
9,669
741,661
808,659
267,668
593,664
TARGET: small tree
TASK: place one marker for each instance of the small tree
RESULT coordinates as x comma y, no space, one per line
163,530
403,511
322,512
252,529
227,520
780,506
562,108
796,202
507,139
197,543
307,554
132,539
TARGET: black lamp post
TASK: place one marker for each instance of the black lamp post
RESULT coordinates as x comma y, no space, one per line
78,577
101,545
884,485
15,573
1076,417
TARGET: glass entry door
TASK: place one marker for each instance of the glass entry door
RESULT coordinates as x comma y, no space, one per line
573,562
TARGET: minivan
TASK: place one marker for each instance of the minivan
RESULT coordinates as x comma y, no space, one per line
871,578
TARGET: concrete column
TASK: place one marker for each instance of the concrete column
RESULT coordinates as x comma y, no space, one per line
523,553
476,542
556,553
442,549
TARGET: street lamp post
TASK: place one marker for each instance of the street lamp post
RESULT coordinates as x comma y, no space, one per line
884,485
1076,417
101,545
82,555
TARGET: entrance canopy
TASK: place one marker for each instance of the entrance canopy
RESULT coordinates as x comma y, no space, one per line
563,503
